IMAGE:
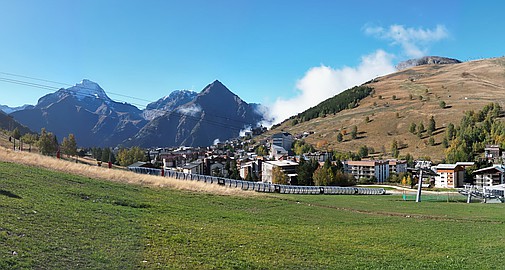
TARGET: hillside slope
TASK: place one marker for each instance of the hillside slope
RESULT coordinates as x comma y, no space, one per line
418,92
56,220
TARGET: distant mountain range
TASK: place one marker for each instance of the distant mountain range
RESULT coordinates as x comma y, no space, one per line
8,110
7,122
215,114
181,118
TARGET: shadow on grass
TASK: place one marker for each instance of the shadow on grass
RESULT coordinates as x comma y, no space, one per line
9,194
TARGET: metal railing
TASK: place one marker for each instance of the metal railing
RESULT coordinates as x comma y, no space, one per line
260,186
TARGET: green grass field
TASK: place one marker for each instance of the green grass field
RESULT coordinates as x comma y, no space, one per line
52,220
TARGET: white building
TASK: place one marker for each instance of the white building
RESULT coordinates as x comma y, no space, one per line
284,140
277,151
490,176
286,166
368,169
195,167
449,176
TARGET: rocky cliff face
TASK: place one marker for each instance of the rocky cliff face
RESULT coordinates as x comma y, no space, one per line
215,114
168,103
427,60
86,111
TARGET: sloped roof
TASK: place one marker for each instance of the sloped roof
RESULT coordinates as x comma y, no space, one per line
492,169
137,164
446,166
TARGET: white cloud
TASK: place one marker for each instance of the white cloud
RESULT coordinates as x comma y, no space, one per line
191,110
414,41
323,82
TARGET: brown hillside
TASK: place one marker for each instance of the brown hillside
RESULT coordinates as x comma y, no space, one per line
465,86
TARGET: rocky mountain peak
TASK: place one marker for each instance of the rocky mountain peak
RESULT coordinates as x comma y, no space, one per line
426,60
87,89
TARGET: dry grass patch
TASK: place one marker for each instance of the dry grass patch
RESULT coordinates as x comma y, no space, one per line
116,175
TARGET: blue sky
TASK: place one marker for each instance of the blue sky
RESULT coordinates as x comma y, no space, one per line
278,53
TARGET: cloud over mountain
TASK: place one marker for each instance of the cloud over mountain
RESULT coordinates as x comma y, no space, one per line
322,82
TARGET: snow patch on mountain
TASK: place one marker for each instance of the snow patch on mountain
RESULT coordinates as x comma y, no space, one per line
168,103
88,89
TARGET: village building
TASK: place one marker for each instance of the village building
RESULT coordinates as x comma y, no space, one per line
319,156
195,167
449,176
216,166
283,139
286,166
369,169
465,164
251,169
276,152
493,153
397,166
141,164
489,176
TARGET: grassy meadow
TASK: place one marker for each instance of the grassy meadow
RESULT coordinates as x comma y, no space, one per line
56,220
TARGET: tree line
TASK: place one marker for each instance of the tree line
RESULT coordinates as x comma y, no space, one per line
466,141
348,99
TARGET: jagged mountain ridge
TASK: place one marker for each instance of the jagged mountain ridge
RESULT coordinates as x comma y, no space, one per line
193,119
7,122
86,111
426,60
168,103
8,110
215,114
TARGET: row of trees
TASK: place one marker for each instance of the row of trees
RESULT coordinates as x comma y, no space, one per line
310,173
420,129
354,134
346,100
475,130
47,142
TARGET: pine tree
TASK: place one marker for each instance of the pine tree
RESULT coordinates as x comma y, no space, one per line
354,132
69,145
451,131
394,149
420,127
48,144
431,126
305,171
431,141
412,128
363,151
16,134
340,137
